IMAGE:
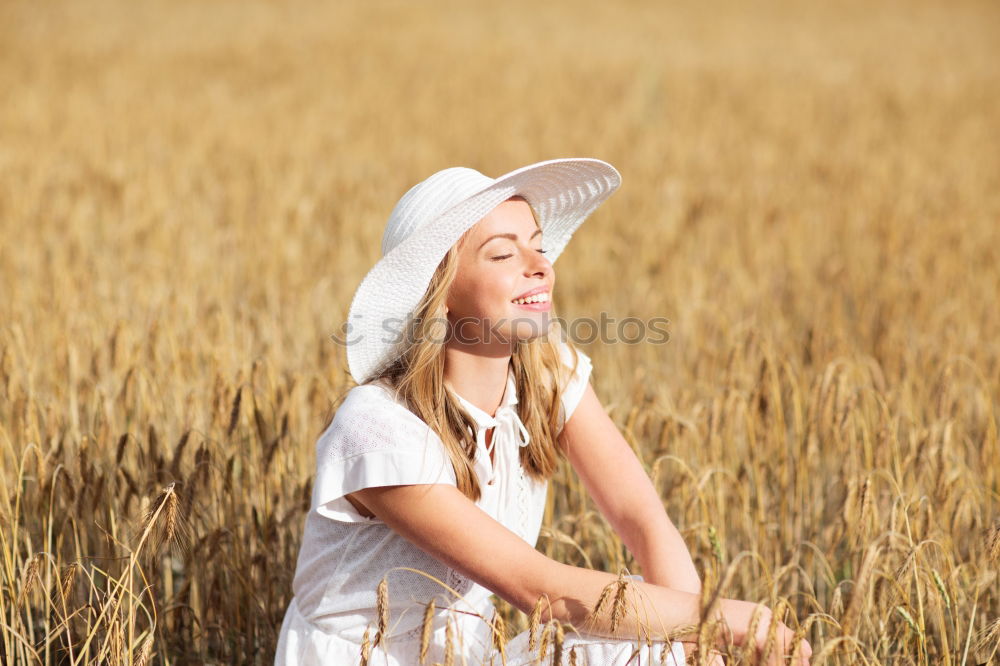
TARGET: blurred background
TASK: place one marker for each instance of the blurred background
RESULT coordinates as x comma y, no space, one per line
190,192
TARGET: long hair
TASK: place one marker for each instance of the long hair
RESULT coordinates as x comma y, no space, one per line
417,377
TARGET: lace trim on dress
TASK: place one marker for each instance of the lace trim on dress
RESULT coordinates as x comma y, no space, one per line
412,634
522,501
456,581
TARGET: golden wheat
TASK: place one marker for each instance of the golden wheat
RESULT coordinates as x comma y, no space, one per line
189,196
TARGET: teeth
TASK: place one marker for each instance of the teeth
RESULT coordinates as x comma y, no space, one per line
537,298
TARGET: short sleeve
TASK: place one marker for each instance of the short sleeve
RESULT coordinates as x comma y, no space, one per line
574,383
374,441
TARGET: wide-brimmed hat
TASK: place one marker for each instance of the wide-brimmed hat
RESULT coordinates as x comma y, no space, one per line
433,215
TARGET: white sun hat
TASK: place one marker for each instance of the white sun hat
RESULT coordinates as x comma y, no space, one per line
433,215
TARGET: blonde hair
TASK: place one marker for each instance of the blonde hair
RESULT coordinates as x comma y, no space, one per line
417,376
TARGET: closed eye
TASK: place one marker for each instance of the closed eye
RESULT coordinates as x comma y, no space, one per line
508,256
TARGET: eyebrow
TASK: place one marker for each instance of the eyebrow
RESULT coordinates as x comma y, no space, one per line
512,237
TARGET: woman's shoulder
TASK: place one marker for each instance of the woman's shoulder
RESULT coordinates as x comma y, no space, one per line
373,403
576,370
371,418
373,398
371,393
577,365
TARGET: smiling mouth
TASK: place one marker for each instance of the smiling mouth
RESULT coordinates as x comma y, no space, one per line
535,298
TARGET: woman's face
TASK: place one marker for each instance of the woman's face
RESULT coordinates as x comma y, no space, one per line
499,262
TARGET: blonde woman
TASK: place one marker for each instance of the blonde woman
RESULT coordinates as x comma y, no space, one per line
431,478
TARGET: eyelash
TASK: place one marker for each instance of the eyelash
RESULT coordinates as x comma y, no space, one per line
508,256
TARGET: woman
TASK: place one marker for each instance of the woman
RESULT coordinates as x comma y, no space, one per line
431,478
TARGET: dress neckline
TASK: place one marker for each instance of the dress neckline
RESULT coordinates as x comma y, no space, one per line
506,425
482,417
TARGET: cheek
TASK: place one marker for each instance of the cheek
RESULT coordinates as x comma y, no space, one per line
485,295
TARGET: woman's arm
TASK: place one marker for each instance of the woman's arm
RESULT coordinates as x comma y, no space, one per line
448,526
451,528
616,480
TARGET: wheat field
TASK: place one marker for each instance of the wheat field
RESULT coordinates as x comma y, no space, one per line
191,192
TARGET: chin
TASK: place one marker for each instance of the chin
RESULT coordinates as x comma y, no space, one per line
529,326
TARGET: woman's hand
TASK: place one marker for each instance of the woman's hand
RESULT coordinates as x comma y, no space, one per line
739,615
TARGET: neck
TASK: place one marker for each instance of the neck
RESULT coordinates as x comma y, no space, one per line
480,379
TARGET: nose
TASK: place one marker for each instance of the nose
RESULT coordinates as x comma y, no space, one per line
537,265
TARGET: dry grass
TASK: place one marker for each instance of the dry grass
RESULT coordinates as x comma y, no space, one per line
190,193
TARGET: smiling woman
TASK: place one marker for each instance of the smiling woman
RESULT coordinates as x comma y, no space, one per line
506,283
431,478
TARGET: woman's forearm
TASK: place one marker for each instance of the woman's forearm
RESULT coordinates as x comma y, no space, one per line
660,551
576,591
662,613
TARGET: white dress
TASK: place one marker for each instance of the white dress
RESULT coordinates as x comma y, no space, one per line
372,441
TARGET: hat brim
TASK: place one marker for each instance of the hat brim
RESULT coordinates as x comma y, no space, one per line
562,192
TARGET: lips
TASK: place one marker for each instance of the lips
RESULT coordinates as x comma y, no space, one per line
532,292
